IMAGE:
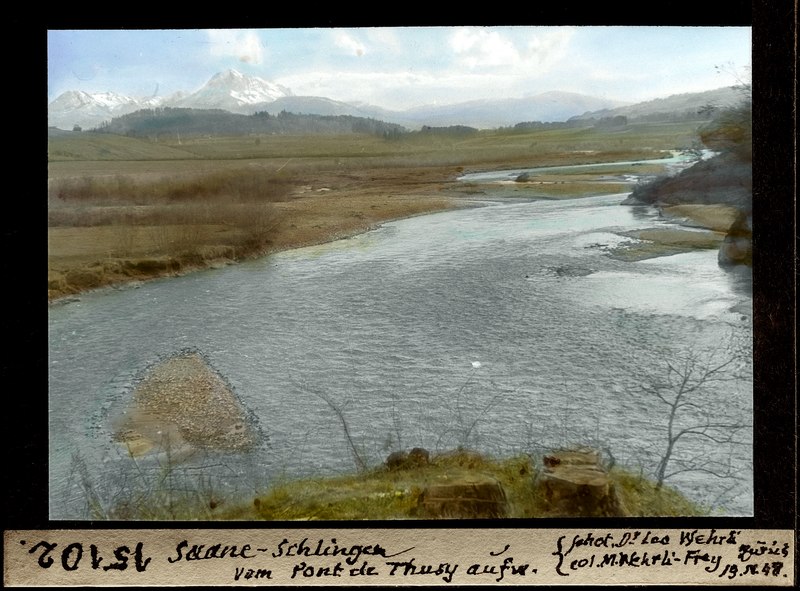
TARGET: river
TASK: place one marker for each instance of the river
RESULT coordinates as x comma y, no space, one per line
504,327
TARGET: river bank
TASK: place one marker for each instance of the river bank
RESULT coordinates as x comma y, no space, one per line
693,227
334,207
389,326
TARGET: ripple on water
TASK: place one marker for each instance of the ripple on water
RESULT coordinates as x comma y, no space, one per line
387,326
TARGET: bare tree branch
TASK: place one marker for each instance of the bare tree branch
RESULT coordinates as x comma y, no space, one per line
683,391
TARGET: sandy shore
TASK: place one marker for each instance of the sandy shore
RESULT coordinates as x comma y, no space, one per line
704,227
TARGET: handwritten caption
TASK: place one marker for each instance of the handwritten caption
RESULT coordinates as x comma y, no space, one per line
526,556
697,549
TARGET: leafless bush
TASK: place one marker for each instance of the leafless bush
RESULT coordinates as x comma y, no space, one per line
683,388
240,185
126,240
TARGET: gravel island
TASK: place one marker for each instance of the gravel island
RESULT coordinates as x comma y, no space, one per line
182,405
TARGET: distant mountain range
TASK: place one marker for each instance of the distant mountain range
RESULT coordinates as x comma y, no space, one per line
675,106
238,93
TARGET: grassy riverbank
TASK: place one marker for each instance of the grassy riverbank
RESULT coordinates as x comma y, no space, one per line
122,210
375,494
388,494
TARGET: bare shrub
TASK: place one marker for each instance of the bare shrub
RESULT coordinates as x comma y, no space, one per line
238,185
125,236
686,388
160,237
258,223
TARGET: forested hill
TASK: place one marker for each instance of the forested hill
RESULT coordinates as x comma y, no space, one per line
189,122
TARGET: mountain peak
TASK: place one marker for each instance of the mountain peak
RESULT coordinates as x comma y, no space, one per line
227,75
237,92
233,90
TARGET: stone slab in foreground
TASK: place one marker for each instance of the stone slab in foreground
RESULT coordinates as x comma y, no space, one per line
574,483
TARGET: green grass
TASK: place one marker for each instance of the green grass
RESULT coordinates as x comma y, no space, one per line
642,498
487,144
165,491
382,494
100,146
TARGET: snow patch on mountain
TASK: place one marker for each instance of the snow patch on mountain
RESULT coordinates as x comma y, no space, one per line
229,90
240,93
233,91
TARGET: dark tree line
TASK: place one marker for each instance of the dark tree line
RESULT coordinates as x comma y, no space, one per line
187,122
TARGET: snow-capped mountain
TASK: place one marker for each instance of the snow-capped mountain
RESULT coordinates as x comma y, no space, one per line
76,107
233,91
229,90
239,93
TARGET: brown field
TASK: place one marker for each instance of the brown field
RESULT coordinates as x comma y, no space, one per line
124,209
127,244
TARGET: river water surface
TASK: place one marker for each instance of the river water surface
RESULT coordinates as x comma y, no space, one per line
504,327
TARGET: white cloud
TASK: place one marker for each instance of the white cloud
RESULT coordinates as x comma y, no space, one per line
387,38
243,45
478,48
401,89
349,44
548,47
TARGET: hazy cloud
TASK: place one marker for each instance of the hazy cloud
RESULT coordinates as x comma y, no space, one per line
387,38
400,89
478,47
349,44
243,45
548,47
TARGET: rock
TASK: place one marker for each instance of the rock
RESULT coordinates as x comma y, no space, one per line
419,457
523,178
397,460
573,483
550,461
571,271
737,247
477,497
722,179
401,460
634,200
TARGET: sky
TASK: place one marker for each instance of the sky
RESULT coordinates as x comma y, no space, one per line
403,67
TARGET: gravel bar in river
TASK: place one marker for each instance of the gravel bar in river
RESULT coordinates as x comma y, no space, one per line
183,405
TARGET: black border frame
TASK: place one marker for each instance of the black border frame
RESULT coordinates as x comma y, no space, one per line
774,26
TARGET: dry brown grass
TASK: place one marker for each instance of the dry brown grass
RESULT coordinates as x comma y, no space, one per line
123,209
715,217
657,242
107,239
